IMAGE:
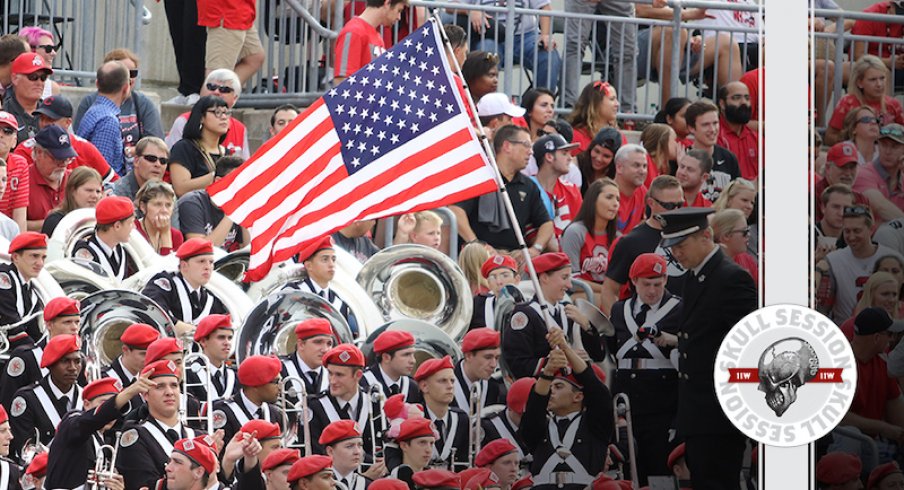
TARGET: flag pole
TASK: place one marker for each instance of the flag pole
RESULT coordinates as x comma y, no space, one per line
503,194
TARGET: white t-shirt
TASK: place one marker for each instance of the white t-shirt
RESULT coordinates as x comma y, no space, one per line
734,18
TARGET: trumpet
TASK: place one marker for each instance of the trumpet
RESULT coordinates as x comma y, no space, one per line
298,410
32,447
475,415
375,395
205,382
622,410
104,468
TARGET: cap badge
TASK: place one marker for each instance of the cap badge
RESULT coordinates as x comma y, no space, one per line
344,356
64,139
657,268
37,61
188,445
847,150
498,260
550,145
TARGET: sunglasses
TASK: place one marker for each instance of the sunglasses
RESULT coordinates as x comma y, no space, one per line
223,89
868,120
8,130
34,77
669,206
893,132
48,48
744,232
133,73
220,112
855,211
155,159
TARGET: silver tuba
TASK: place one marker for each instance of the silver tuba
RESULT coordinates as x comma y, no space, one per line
418,282
233,265
79,223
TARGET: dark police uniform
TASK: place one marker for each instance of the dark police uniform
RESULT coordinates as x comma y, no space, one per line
224,381
492,391
292,366
144,451
116,262
648,374
230,414
171,291
22,369
374,375
452,444
524,337
326,409
37,408
330,296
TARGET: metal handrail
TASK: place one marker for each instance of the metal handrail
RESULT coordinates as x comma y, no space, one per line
311,20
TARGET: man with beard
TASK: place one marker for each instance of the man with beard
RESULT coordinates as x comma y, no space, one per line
734,134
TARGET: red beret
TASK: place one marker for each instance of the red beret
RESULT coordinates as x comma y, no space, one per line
880,472
210,323
465,475
550,262
432,366
516,399
4,417
111,209
38,466
388,484
495,262
103,386
567,373
313,327
482,478
391,340
62,306
259,370
526,482
139,335
27,240
265,430
414,428
436,478
394,405
675,455
837,468
605,483
198,452
480,338
493,451
309,466
162,347
344,355
339,431
280,457
309,251
648,265
161,368
193,247
59,346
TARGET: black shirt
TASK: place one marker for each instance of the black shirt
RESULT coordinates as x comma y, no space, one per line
28,124
725,169
640,240
187,154
198,214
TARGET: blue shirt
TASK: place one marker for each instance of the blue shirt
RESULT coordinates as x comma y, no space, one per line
100,126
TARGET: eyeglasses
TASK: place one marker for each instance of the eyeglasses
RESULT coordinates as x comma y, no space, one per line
48,48
155,159
34,77
669,206
744,232
868,120
223,89
8,131
133,73
220,112
526,144
855,211
894,132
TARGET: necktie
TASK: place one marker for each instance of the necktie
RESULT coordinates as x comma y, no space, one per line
172,435
394,389
65,401
347,411
218,378
195,298
642,316
440,427
313,376
259,414
563,424
345,483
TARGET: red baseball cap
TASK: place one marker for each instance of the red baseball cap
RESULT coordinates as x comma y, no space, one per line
27,240
325,243
308,466
436,479
496,262
344,355
313,327
414,428
59,346
194,247
209,323
200,453
493,451
842,153
139,335
259,370
38,466
516,399
103,386
112,209
9,120
162,347
28,63
162,368
479,339
339,431
265,430
280,457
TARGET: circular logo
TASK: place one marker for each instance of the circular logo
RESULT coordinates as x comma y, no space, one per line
785,375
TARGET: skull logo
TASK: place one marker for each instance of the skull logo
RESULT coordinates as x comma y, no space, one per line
783,368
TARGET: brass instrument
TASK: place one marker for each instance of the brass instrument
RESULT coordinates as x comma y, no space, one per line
475,416
104,468
621,406
375,395
295,413
429,341
32,447
205,381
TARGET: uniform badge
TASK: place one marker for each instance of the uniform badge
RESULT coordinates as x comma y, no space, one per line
219,419
16,367
5,281
129,437
344,356
522,195
84,253
164,284
118,385
18,406
188,445
519,321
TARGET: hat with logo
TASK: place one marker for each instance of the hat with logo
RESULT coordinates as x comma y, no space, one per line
497,103
344,355
414,428
200,454
893,132
28,63
550,144
608,138
682,223
161,368
8,119
59,346
648,265
339,431
55,140
871,320
103,386
841,154
55,107
497,262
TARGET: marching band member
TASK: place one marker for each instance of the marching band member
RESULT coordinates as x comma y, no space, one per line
501,457
36,472
214,334
191,465
678,466
483,479
268,437
319,261
345,444
7,466
312,473
417,442
568,420
498,270
481,349
276,468
504,424
259,380
166,349
18,298
526,481
75,447
436,478
40,406
645,336
315,338
345,399
115,220
436,379
61,316
183,294
388,484
525,336
135,341
395,363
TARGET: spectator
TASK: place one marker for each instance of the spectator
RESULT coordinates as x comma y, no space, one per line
630,174
458,40
481,73
56,110
861,127
232,39
359,42
11,46
281,118
662,146
540,108
884,51
354,239
101,123
673,115
156,200
596,161
14,201
495,110
84,189
882,290
741,194
840,168
8,228
471,259
563,129
693,172
703,120
886,476
895,267
199,217
752,80
30,71
562,199
138,115
421,228
891,234
224,84
734,106
151,159
194,157
596,108
589,238
866,86
748,43
832,202
189,41
482,217
881,181
40,41
730,230
52,153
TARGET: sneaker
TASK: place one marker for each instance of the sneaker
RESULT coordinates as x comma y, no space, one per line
177,100
191,99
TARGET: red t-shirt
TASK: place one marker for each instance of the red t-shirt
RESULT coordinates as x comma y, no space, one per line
878,29
687,143
595,254
752,80
388,32
358,43
583,138
700,202
566,198
88,156
652,171
231,14
894,113
16,194
42,198
748,263
745,147
630,210
874,389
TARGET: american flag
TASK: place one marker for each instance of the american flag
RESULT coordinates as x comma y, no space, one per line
392,138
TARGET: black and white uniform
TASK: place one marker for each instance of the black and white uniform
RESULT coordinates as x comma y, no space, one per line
171,291
326,409
316,380
499,426
10,474
145,449
18,300
230,414
39,407
352,481
453,433
405,384
114,261
224,381
22,369
484,312
118,371
309,286
492,391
